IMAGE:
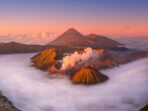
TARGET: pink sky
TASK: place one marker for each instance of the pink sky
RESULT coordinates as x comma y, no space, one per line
127,17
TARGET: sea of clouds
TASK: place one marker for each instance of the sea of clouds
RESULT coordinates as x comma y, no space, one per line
30,89
138,43
36,38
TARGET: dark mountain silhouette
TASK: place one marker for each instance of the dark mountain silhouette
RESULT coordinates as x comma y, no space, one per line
13,47
6,105
67,41
67,38
73,38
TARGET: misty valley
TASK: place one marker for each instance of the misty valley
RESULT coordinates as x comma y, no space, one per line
73,55
31,89
74,72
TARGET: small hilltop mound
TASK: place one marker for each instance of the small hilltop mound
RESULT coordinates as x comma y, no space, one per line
88,75
45,59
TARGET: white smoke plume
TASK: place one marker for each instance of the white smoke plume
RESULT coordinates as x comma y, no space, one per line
71,60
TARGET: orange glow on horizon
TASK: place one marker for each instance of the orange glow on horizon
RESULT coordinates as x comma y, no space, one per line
58,27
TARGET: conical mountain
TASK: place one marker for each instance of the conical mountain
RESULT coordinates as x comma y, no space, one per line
88,75
74,38
73,31
67,38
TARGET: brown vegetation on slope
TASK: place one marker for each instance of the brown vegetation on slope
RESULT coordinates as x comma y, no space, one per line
88,75
48,60
45,59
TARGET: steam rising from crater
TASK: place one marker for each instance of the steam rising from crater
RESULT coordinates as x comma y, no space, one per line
71,60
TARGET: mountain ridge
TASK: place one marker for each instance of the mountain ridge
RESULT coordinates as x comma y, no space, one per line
72,37
14,47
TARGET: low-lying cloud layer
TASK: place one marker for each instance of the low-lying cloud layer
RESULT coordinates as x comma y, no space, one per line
40,38
139,43
33,90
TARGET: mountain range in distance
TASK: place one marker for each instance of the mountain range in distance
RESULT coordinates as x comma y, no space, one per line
13,47
69,40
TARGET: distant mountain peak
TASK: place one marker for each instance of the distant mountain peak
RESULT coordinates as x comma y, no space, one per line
72,31
72,37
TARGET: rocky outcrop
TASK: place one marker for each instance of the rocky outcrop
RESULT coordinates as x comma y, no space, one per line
45,59
55,68
88,75
145,108
6,105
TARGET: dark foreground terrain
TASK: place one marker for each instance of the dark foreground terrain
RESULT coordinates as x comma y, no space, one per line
6,105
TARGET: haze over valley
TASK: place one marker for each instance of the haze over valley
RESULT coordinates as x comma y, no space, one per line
73,55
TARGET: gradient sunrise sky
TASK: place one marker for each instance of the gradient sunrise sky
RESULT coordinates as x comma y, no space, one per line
88,16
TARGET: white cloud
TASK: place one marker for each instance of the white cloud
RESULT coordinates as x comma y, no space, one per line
40,38
139,43
31,89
